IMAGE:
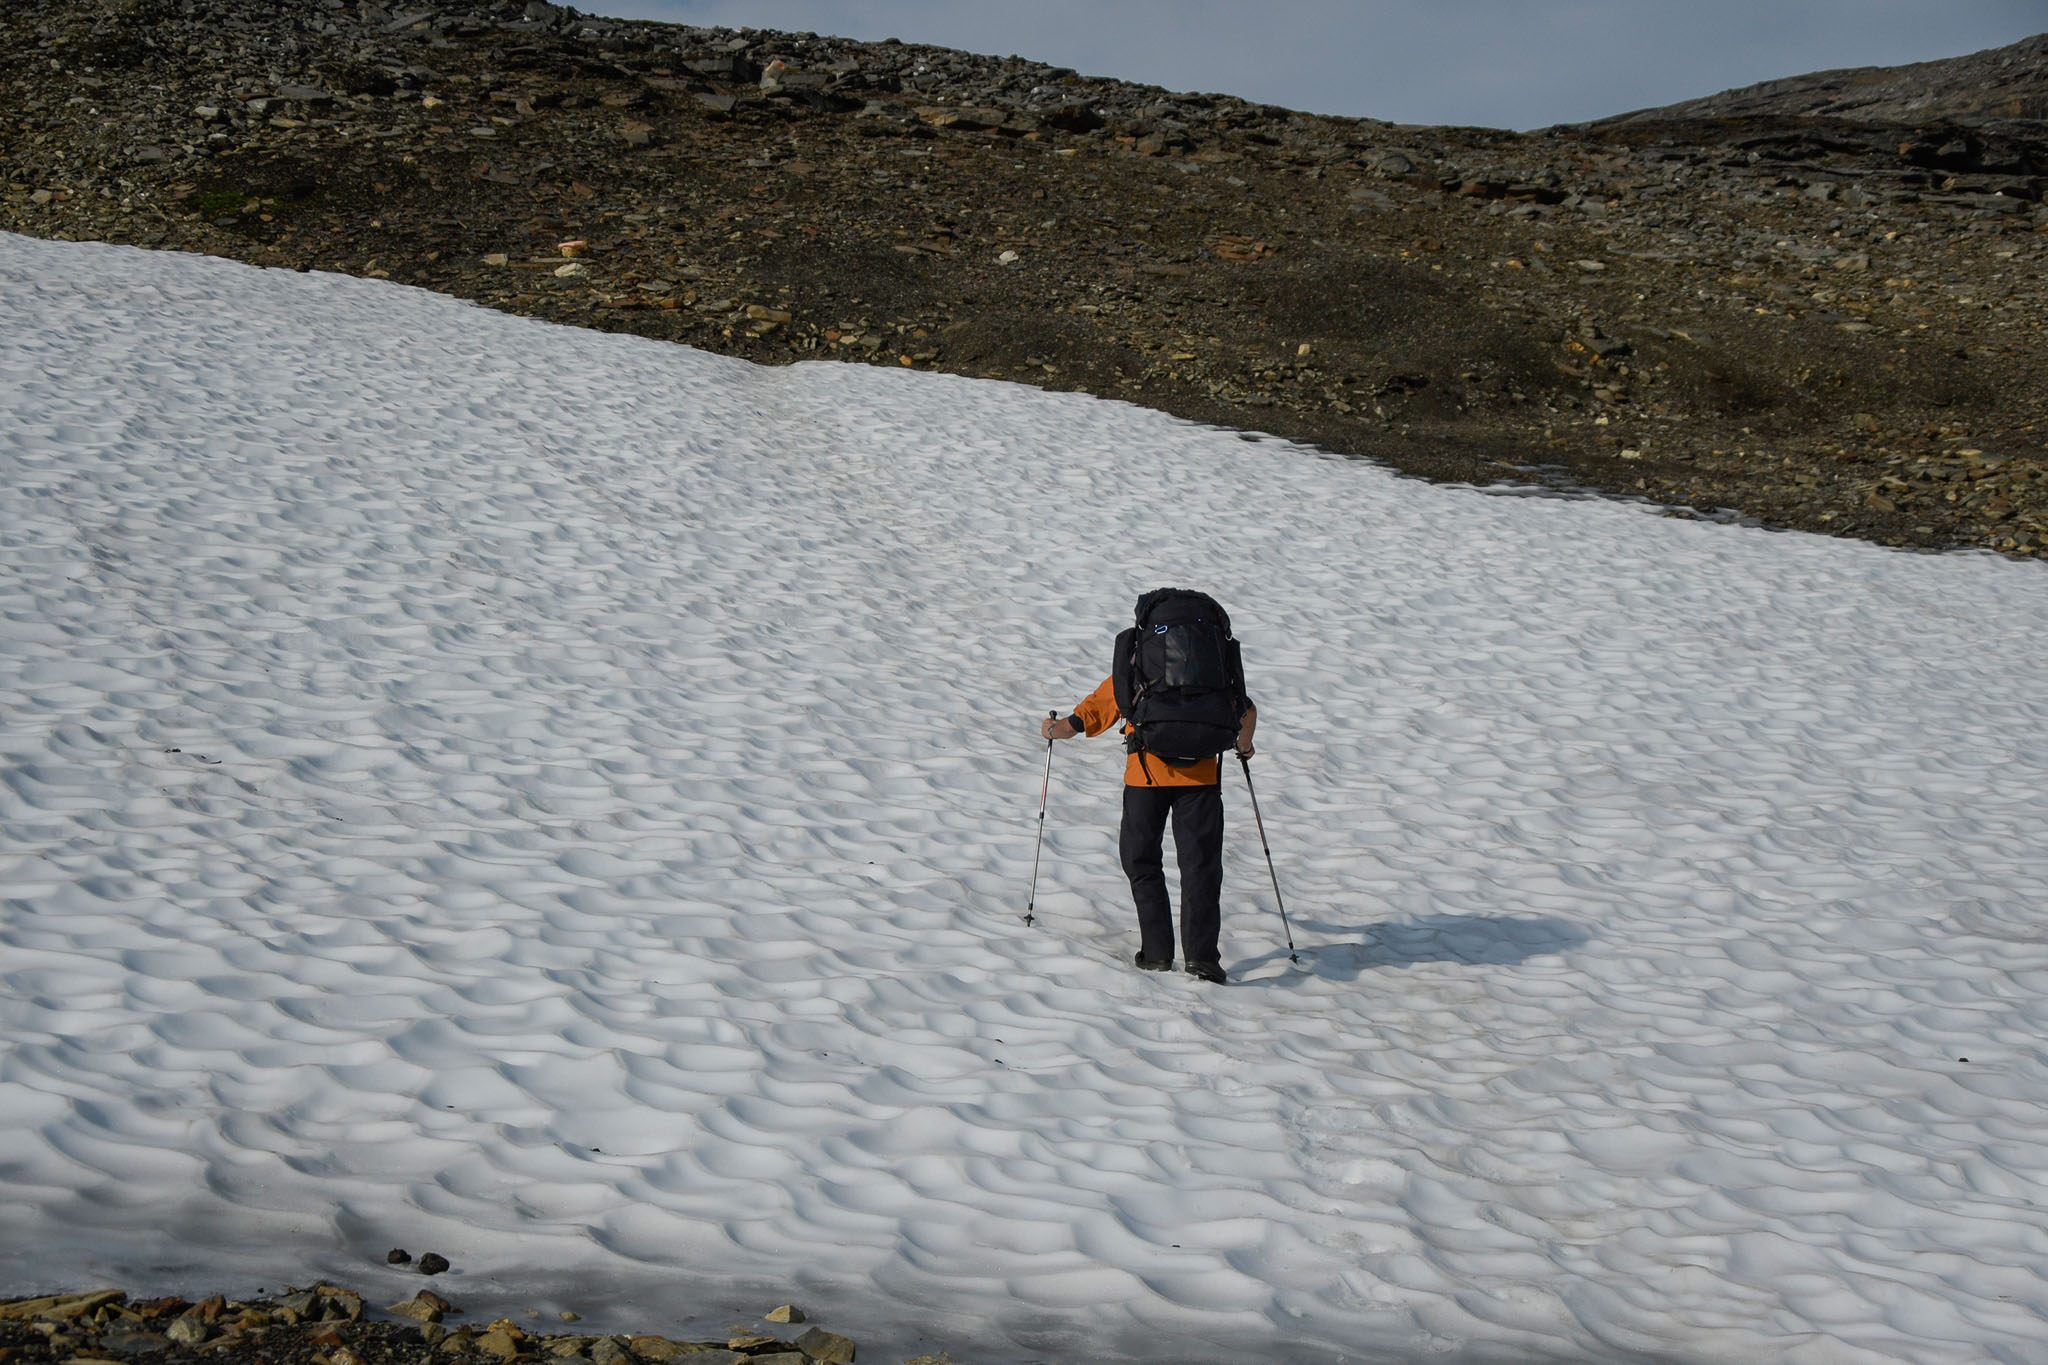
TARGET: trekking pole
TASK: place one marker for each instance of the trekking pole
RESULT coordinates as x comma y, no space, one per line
1043,792
1287,928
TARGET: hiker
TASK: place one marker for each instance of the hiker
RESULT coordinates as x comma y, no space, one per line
1178,685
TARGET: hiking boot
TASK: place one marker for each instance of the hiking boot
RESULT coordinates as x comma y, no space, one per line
1211,972
1153,964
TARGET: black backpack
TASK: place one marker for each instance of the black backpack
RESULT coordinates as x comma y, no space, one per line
1178,677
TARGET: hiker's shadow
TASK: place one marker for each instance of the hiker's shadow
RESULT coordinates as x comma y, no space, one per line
1345,952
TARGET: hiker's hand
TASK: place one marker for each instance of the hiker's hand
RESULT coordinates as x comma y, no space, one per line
1245,749
1057,727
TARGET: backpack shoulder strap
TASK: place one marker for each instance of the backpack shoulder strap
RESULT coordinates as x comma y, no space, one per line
1122,679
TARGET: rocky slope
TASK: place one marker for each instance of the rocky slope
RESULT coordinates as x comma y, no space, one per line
1819,323
331,1325
1999,83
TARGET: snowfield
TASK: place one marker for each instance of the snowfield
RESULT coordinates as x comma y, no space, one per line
567,802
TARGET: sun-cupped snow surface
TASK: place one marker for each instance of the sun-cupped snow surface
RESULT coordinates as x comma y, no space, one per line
568,801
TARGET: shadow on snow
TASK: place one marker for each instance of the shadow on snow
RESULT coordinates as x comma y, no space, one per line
1344,952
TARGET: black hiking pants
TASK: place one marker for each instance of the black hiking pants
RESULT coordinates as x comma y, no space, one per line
1198,846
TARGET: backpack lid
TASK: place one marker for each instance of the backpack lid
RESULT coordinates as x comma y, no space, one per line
1180,606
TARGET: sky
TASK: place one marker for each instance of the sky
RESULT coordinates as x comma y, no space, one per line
1492,63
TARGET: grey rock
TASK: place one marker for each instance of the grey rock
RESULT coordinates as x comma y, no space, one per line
188,1331
345,1303
425,1306
732,70
830,1347
130,1341
1072,116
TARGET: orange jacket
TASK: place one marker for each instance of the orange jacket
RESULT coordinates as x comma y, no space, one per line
1099,711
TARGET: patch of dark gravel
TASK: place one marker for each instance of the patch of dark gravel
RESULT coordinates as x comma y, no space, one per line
332,1325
